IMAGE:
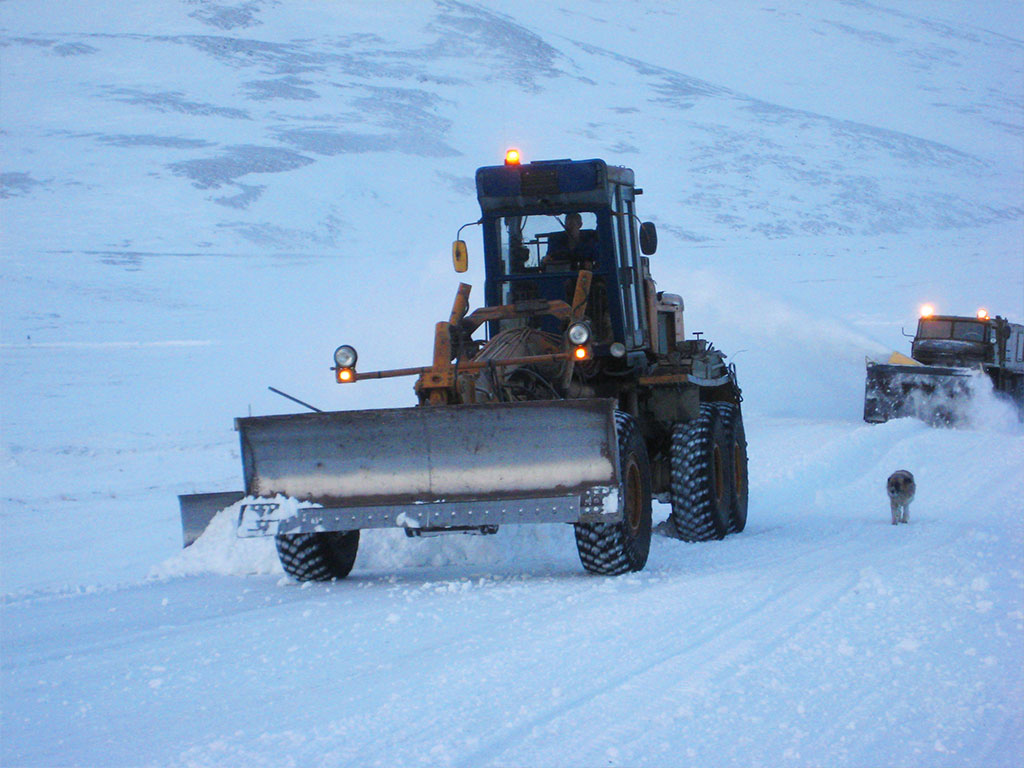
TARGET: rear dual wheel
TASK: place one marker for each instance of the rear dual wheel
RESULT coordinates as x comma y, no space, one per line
614,548
736,444
709,474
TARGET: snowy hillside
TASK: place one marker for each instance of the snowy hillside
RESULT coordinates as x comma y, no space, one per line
201,199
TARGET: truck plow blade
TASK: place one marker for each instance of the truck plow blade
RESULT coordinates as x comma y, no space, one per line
431,467
933,394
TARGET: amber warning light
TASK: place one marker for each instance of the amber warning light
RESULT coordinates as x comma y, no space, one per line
512,157
983,314
927,310
345,375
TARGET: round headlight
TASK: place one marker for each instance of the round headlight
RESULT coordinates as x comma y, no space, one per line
579,333
345,356
618,349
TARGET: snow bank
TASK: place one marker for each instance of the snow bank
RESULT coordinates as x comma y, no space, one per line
220,550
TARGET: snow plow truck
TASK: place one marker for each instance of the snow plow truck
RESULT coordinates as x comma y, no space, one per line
934,383
583,401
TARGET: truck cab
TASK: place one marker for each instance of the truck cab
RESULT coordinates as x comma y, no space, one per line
950,340
546,220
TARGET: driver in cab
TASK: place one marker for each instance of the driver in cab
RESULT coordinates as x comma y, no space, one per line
571,249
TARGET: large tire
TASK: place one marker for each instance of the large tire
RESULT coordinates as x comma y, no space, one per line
736,463
700,483
318,556
614,548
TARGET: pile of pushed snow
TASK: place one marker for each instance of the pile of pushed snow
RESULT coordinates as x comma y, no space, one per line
221,551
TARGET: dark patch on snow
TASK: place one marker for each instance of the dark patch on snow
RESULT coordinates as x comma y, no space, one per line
516,53
674,88
73,49
463,185
623,148
283,237
1011,128
175,101
16,183
679,232
238,161
680,91
404,109
227,16
858,137
129,261
150,140
39,42
289,87
941,28
248,194
278,58
323,141
866,35
298,58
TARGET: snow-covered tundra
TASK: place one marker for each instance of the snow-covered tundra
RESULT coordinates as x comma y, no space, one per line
201,199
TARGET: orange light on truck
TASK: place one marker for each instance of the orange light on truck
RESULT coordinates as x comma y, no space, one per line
983,314
580,353
512,157
927,310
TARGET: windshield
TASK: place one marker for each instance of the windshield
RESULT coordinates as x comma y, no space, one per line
962,330
552,243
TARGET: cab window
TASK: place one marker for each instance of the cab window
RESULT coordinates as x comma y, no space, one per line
935,329
969,331
529,243
961,330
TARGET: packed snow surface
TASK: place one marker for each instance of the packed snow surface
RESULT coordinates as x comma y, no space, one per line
202,199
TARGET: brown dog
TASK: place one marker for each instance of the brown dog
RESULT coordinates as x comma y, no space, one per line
901,489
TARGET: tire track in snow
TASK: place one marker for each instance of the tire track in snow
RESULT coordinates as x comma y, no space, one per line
709,655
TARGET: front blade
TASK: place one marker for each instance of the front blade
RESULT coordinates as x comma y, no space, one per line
923,392
432,454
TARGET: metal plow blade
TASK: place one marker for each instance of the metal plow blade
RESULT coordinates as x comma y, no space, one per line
932,394
431,467
198,509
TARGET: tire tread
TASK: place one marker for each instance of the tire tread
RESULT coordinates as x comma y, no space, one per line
318,556
608,548
693,510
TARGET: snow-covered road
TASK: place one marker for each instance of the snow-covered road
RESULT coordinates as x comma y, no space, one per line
822,634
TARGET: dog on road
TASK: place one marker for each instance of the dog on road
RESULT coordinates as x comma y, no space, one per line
901,488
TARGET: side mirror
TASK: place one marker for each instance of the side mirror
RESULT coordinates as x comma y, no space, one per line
460,256
648,238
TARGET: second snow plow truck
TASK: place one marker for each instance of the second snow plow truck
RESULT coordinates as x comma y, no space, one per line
934,383
584,400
